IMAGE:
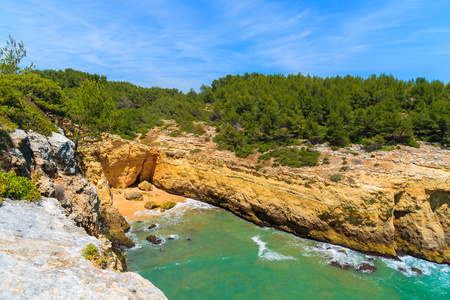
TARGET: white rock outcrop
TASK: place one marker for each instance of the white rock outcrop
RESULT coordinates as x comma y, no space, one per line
41,257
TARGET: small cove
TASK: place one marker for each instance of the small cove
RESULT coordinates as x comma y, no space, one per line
230,258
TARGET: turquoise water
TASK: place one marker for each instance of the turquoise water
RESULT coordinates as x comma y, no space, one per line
229,258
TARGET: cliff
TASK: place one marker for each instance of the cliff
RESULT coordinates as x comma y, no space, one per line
387,203
41,258
41,245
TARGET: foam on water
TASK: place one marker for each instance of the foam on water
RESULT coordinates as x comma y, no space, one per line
177,213
408,262
267,254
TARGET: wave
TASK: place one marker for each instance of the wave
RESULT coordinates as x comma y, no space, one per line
265,253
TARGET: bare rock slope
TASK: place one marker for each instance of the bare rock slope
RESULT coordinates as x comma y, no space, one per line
41,258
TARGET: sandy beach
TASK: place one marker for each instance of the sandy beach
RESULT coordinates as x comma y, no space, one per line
128,208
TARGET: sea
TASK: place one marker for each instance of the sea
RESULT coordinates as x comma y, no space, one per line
209,253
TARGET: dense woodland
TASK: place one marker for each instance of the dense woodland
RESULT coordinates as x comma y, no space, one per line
258,112
251,112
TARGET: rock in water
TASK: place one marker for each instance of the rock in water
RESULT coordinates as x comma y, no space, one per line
133,196
153,239
337,264
418,271
151,226
366,268
42,251
145,186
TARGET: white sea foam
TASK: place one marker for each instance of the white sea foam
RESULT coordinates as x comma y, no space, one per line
267,254
179,210
408,262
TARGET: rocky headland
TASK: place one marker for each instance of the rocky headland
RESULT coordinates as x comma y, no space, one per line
41,258
387,202
42,245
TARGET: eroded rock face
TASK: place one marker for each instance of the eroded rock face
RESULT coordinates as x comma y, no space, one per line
123,162
42,252
112,221
410,215
385,214
63,150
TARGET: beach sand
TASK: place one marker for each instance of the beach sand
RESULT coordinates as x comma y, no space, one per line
128,208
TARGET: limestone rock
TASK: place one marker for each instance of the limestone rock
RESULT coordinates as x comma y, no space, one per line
145,186
48,189
122,161
63,151
42,252
15,161
133,196
112,221
42,152
22,143
150,205
385,212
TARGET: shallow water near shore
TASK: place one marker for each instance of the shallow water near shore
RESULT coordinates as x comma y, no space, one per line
230,258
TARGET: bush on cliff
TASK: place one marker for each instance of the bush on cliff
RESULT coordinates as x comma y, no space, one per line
17,187
293,157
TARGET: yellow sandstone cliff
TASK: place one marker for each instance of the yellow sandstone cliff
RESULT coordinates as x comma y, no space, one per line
396,207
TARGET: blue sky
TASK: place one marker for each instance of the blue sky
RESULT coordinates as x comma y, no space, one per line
184,44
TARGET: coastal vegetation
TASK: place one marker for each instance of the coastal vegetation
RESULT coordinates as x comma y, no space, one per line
271,115
18,187
256,113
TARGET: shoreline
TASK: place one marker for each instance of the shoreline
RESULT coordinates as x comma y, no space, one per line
128,208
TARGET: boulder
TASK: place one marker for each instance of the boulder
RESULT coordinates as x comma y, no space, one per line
14,160
153,239
150,205
133,196
48,189
21,141
63,151
366,268
42,152
418,271
152,226
337,264
145,186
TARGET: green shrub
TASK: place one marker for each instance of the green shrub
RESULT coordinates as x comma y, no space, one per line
274,165
17,187
258,167
293,157
207,139
373,144
413,143
336,177
91,252
175,133
326,161
127,137
196,150
334,148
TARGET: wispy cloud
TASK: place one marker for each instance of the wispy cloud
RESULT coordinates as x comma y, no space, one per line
186,44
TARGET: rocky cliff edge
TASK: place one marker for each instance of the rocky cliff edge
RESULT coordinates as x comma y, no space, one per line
387,203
